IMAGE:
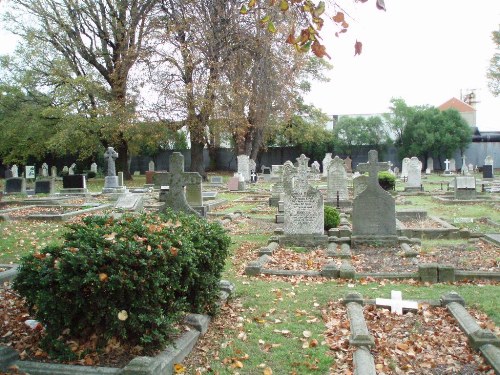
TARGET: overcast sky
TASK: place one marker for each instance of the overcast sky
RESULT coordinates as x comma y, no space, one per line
424,51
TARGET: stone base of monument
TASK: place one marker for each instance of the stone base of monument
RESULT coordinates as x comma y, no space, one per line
413,189
74,191
304,240
374,240
279,218
202,210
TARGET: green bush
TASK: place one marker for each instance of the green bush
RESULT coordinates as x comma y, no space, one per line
91,174
131,278
387,180
332,217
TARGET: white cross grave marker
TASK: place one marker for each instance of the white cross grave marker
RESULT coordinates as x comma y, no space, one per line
396,303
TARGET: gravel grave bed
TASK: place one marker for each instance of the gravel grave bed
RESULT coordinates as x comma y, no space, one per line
422,224
427,341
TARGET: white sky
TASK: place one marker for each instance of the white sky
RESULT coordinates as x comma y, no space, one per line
424,51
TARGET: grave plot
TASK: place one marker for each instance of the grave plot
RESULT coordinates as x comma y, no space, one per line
52,212
428,340
253,198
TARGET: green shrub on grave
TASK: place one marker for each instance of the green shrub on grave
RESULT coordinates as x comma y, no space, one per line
131,278
332,217
386,180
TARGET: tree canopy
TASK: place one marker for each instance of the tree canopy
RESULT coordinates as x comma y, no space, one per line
494,69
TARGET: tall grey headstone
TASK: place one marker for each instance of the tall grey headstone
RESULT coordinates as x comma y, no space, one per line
53,171
404,167
374,209
151,166
45,170
453,166
65,170
337,180
414,173
326,163
177,179
430,163
303,204
15,171
252,165
244,166
348,164
111,179
71,170
93,167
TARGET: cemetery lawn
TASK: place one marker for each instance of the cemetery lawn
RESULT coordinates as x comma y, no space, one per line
283,325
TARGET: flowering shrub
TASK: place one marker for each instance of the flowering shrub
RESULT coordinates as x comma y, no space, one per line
131,278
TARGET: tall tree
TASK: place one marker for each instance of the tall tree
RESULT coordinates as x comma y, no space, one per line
494,69
106,35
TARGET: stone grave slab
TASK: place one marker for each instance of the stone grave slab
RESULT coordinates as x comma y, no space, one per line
216,180
130,202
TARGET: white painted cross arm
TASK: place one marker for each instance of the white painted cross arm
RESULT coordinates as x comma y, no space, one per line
396,303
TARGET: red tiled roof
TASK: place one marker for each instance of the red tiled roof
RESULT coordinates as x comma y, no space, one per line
457,104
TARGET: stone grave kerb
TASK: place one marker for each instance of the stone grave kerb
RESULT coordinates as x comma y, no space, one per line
373,167
177,179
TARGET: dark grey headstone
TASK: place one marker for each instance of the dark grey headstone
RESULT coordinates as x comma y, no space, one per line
15,185
76,181
44,186
374,209
487,171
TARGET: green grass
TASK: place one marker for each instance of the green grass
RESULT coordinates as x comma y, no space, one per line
21,238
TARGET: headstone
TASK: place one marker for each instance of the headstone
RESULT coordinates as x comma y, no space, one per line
93,167
465,187
177,179
430,163
149,177
337,180
53,171
253,177
277,190
396,303
252,165
303,204
14,170
244,166
130,202
447,166
111,179
45,170
30,171
71,170
276,172
488,167
151,166
15,185
233,182
65,170
471,168
359,184
315,168
217,180
348,164
374,209
465,169
404,168
453,166
120,178
76,181
414,173
241,182
45,186
266,173
396,171
326,162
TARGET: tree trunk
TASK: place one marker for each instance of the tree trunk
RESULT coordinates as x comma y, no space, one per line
122,160
197,158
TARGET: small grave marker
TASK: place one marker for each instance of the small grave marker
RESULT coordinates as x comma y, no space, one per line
396,303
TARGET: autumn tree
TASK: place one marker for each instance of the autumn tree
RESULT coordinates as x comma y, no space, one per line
494,69
103,37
